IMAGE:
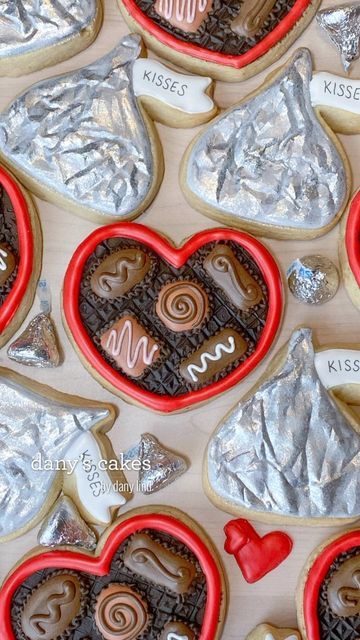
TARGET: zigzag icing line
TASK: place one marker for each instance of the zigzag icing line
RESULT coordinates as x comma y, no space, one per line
206,357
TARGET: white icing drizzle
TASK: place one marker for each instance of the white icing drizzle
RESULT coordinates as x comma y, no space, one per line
115,343
175,636
269,636
3,265
206,357
336,367
185,10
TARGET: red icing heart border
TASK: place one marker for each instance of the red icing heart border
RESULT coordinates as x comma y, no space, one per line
26,249
316,577
236,62
177,257
100,565
352,237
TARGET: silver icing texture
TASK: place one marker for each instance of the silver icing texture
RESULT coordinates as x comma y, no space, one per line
33,428
288,449
65,526
31,25
82,136
342,25
313,279
37,346
269,160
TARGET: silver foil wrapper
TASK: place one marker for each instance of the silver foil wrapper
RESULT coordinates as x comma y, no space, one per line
82,135
288,449
37,346
165,466
313,279
342,25
65,526
269,160
33,429
31,25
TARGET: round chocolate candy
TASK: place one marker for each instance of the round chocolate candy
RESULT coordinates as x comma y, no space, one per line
120,613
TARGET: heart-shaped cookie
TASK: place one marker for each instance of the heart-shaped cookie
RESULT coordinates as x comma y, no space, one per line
329,590
168,327
350,250
154,570
20,254
227,40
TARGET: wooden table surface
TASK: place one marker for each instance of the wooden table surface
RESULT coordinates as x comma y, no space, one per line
271,599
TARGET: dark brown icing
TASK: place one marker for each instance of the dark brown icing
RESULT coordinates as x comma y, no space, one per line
252,17
182,305
163,377
187,15
344,589
132,348
7,263
120,272
51,608
161,566
177,631
215,32
229,274
163,605
214,355
120,613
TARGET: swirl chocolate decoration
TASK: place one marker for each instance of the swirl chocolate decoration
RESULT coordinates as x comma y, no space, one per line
214,355
177,631
120,613
229,274
130,346
187,15
182,305
159,565
51,608
252,17
7,263
119,273
343,590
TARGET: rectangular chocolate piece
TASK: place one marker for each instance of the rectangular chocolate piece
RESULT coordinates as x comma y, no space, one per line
214,355
187,15
158,564
130,346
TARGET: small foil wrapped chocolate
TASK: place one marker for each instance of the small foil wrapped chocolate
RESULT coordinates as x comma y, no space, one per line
65,526
159,466
342,25
37,346
313,279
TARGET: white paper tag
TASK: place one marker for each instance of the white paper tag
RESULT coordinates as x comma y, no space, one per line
336,367
180,91
44,295
329,90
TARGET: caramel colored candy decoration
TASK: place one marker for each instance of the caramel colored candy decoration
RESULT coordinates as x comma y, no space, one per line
213,356
177,631
51,608
120,613
130,346
252,17
343,590
7,263
187,15
230,275
158,564
182,305
119,273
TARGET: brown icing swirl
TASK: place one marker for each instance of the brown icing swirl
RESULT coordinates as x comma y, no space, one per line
119,273
252,17
182,305
120,613
344,589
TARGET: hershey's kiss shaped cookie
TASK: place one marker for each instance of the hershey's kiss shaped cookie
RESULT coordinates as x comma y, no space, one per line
269,632
166,327
49,440
86,140
34,34
289,450
272,164
154,574
65,526
37,346
342,25
20,254
228,40
350,250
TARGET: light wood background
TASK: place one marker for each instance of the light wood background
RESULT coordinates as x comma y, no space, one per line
271,599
